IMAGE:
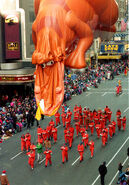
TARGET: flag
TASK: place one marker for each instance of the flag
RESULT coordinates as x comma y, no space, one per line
123,24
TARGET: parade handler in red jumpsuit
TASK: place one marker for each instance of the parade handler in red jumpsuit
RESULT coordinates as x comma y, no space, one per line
23,143
57,116
91,144
31,155
80,149
48,157
85,138
64,153
28,141
124,122
54,134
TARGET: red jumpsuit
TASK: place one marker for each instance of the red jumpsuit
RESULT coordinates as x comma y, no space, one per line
96,119
44,134
40,140
114,126
76,116
109,113
80,149
118,113
65,135
39,131
67,122
82,130
31,155
52,123
70,138
75,110
48,157
103,134
54,134
80,109
63,115
64,153
69,114
23,143
119,123
110,126
85,138
124,122
91,144
28,141
81,119
91,126
106,131
102,122
77,125
98,129
91,115
57,116
84,118
33,148
49,131
71,129
87,122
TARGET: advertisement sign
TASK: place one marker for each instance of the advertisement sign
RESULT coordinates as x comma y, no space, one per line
112,48
12,36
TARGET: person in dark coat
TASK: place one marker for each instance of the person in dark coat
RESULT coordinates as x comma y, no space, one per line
103,171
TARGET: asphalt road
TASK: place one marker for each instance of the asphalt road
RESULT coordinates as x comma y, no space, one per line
73,172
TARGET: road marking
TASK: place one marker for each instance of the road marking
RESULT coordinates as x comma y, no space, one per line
112,159
75,160
104,94
58,126
42,161
89,94
122,94
118,171
16,155
126,109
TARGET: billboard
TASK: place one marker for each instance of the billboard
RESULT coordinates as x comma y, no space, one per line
112,48
12,36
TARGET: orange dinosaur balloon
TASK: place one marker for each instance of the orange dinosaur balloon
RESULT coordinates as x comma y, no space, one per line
62,32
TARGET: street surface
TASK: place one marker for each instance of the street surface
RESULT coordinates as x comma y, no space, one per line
73,172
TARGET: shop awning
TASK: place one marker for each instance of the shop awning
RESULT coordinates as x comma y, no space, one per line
109,56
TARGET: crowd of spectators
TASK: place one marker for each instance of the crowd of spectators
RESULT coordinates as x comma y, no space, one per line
17,114
78,82
20,112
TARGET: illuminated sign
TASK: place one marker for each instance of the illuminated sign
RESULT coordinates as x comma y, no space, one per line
12,46
112,48
126,47
11,19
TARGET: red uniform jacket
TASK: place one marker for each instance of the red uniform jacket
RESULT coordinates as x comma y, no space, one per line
48,153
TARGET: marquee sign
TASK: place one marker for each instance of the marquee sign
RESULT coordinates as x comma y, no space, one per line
112,48
16,79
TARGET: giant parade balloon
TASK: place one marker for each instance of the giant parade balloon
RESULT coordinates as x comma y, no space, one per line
62,32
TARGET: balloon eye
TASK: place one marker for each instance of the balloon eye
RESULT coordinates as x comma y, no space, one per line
43,65
50,63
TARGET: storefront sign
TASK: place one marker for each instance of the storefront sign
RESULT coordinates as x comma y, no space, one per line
16,79
112,48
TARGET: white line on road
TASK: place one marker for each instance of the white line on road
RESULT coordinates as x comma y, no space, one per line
118,171
88,94
104,94
75,160
42,161
16,155
111,159
126,109
58,126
